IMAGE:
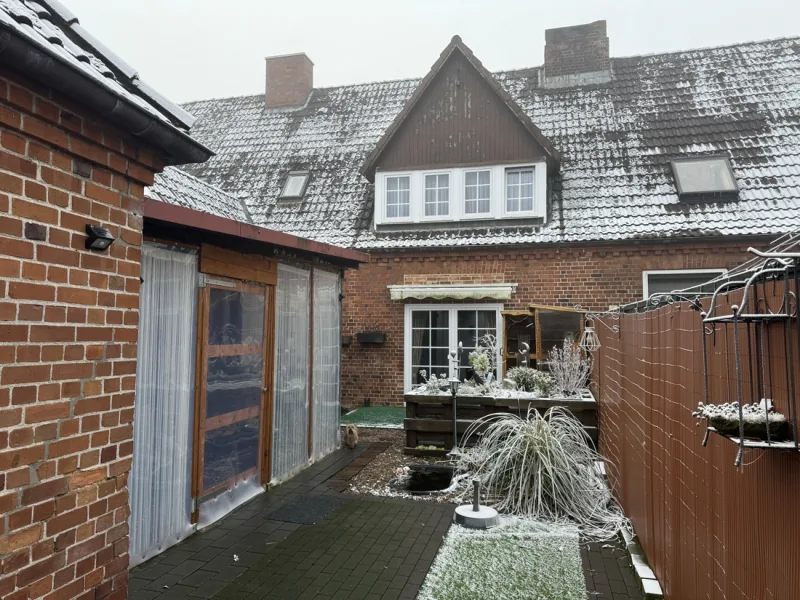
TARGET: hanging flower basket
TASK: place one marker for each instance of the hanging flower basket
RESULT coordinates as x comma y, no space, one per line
725,419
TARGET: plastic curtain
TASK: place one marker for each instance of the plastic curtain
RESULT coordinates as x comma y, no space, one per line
160,478
290,419
327,343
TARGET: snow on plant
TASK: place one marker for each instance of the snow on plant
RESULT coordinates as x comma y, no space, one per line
752,414
480,362
570,370
542,466
433,384
531,380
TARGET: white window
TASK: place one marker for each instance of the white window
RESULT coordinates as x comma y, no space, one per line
477,192
398,197
484,193
433,331
664,282
519,190
295,185
437,195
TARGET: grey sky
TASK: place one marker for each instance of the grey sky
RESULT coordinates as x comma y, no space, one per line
195,49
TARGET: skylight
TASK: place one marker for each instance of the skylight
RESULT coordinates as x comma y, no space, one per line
295,185
707,175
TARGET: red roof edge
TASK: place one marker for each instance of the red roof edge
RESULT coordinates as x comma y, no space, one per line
188,217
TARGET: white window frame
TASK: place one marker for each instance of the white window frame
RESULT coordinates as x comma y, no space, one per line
453,335
476,215
497,199
450,208
519,213
646,274
384,207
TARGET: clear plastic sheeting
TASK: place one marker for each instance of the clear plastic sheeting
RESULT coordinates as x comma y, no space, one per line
160,478
290,420
327,344
217,507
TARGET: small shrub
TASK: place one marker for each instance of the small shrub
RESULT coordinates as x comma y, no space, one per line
433,384
570,370
531,380
480,362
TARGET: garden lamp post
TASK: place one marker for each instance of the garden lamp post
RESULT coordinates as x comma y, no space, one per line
454,382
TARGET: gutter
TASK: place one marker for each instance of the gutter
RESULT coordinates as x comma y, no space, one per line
55,72
180,216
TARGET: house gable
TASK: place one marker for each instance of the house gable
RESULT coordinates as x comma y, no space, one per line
458,116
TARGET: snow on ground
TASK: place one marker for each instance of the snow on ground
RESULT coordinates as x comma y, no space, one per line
522,559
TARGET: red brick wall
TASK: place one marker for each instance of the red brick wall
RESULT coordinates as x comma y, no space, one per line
590,277
68,329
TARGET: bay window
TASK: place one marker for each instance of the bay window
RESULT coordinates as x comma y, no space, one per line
433,331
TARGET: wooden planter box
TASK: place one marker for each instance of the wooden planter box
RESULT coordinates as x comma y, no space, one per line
429,419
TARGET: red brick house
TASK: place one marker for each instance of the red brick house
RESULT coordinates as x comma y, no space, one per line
588,181
84,372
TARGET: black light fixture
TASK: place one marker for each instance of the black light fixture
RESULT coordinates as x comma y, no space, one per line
98,238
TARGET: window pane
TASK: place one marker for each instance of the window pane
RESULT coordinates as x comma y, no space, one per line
487,319
483,206
440,318
420,318
472,178
712,175
662,283
405,203
440,337
466,337
512,178
391,184
526,177
294,185
467,318
440,357
483,177
235,318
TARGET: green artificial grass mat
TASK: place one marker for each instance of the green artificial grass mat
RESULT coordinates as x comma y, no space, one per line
385,417
520,560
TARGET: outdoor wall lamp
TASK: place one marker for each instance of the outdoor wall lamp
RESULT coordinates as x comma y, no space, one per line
98,238
589,340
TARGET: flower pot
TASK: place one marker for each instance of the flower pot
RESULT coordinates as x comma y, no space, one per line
778,431
371,337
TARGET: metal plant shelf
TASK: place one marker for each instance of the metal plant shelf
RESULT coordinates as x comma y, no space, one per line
749,318
750,443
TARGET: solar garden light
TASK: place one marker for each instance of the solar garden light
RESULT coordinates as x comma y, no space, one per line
589,340
454,383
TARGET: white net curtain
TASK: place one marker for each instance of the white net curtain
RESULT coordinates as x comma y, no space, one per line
327,344
290,422
292,368
160,478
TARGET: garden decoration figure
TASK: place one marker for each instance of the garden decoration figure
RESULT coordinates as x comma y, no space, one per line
524,354
454,381
474,515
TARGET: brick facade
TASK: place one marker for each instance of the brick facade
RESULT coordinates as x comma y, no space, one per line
68,332
290,80
592,277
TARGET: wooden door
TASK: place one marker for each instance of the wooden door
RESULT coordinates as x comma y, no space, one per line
233,384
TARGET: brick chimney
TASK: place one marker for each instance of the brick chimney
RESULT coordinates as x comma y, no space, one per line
290,79
576,55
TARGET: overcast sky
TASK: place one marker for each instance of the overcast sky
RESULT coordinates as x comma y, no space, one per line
195,49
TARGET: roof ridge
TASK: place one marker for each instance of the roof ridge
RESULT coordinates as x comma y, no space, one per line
511,70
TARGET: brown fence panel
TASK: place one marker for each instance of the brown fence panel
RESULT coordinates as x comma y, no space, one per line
710,530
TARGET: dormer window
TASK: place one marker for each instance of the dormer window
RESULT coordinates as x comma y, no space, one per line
437,195
477,192
480,194
519,190
704,176
398,197
295,185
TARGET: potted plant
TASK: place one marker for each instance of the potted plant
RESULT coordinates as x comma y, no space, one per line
756,418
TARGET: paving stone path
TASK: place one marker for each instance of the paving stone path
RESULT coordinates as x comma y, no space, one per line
306,539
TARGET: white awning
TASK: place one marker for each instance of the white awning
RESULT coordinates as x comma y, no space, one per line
496,291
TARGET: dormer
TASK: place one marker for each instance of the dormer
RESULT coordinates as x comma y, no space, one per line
461,150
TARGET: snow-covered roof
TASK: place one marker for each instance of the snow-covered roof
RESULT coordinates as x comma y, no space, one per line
616,140
174,186
50,26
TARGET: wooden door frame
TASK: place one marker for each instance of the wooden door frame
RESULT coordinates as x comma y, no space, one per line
263,466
